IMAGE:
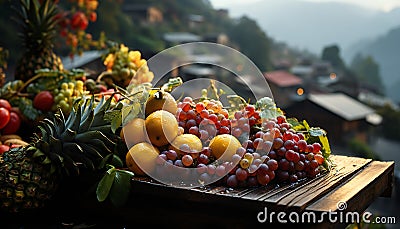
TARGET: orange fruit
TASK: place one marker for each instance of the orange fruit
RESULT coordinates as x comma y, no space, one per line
191,140
161,127
161,100
224,146
141,158
134,132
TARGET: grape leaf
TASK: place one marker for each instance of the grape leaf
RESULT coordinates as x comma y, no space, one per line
26,107
116,161
105,184
296,125
121,188
268,108
325,146
316,132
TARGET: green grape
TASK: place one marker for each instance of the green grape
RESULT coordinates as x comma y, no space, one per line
68,93
64,106
79,84
71,85
64,86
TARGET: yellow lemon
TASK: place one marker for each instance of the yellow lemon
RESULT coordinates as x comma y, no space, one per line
161,100
191,140
134,132
224,146
161,127
141,158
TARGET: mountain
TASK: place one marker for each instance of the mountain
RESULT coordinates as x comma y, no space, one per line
313,25
385,49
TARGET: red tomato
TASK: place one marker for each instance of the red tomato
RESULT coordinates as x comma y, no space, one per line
79,20
4,117
93,16
4,103
13,125
4,148
43,101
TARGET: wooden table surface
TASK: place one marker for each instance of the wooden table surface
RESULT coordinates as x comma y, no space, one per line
351,186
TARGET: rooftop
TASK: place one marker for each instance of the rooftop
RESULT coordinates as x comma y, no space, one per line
181,37
283,78
80,60
345,106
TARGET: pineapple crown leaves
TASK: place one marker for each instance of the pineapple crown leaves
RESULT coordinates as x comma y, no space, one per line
81,140
38,23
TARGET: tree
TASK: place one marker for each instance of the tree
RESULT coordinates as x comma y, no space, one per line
367,71
332,54
253,42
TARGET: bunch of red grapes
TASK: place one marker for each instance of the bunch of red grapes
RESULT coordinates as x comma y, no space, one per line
271,149
205,119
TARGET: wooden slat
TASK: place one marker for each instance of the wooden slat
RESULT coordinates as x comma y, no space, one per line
360,191
303,195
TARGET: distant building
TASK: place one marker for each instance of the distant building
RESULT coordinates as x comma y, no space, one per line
176,38
90,61
286,87
195,20
143,13
340,115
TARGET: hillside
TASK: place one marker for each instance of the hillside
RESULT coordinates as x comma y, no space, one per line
307,25
385,50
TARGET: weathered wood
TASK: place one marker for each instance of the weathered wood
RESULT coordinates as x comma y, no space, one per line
357,181
360,191
300,197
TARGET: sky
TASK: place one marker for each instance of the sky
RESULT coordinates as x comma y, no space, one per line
383,5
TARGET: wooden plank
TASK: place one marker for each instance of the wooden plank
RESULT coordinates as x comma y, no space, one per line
360,191
298,198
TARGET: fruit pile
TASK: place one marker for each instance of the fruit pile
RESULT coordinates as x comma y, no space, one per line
10,120
49,91
245,147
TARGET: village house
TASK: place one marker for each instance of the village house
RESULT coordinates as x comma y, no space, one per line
286,88
342,116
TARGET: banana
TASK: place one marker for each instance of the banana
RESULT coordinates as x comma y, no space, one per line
4,138
15,142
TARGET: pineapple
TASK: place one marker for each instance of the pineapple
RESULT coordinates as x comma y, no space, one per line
39,26
30,175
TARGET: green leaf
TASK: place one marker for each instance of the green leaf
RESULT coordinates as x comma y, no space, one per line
316,132
296,125
116,161
104,161
325,146
121,188
105,184
268,108
116,123
306,125
130,113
